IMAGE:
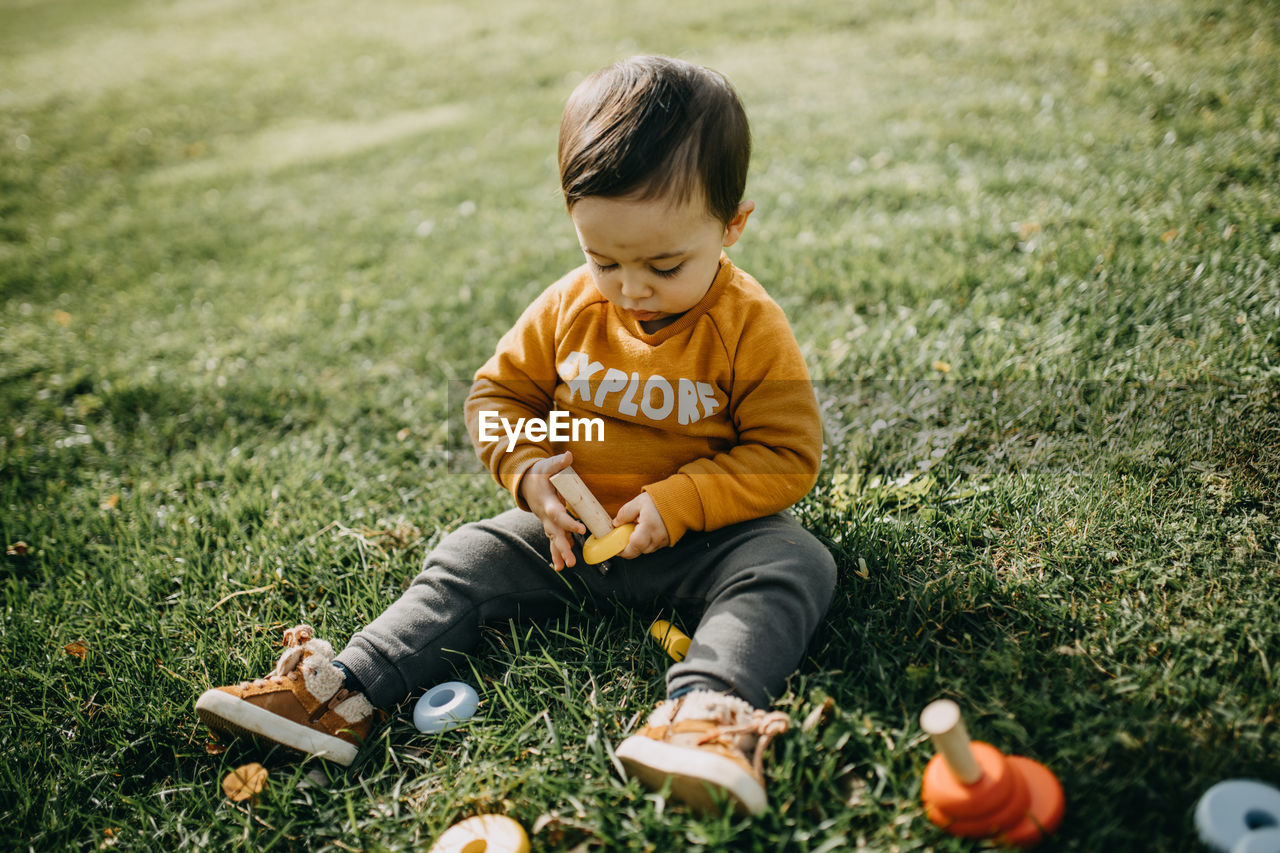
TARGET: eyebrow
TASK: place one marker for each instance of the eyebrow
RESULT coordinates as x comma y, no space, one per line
665,256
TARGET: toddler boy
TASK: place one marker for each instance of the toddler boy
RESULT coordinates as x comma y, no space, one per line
700,427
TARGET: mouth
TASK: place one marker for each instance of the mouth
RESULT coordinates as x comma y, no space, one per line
644,316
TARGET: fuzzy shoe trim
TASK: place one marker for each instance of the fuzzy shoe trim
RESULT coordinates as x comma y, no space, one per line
354,708
321,677
720,708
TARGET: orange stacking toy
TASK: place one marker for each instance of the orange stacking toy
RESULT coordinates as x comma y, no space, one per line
972,790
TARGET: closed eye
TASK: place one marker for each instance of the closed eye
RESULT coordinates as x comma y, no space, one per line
667,273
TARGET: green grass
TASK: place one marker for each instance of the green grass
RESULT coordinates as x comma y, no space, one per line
1030,250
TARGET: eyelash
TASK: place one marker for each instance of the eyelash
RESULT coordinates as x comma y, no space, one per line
671,273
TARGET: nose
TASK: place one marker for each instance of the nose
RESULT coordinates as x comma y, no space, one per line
634,286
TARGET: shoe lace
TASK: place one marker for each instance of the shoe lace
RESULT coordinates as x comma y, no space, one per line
765,726
298,635
286,668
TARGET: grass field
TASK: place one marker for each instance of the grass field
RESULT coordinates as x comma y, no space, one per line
246,249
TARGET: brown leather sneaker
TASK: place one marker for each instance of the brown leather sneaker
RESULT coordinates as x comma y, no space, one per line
700,743
301,704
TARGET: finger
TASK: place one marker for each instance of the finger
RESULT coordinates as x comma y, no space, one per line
563,521
568,522
638,542
557,553
553,512
546,466
563,548
556,464
629,512
560,517
636,545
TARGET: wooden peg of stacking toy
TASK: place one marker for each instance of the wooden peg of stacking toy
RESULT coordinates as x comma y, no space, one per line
486,833
673,641
605,540
973,790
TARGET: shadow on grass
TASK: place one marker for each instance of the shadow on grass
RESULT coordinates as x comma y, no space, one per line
75,429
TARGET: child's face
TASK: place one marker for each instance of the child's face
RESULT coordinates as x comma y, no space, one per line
652,258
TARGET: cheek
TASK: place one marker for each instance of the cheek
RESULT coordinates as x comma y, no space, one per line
700,275
604,283
689,290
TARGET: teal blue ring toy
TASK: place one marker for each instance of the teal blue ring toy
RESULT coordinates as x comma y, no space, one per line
445,706
1232,811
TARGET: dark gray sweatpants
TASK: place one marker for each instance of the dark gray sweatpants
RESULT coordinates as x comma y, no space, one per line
761,587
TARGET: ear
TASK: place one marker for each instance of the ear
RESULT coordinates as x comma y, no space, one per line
734,229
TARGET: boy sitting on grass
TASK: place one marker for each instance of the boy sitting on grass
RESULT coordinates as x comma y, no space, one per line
710,432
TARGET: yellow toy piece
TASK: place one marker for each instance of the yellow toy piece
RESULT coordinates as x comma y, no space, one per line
673,641
598,550
486,833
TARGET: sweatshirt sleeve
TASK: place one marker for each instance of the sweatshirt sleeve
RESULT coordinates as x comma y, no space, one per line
518,381
775,460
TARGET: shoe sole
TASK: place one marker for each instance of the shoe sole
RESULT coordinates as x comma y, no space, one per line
221,711
694,775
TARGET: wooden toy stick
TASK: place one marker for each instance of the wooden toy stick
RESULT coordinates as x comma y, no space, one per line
605,540
582,502
941,720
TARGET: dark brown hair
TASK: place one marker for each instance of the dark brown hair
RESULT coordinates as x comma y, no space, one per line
652,126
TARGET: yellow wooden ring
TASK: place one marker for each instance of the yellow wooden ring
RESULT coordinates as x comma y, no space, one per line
486,833
598,550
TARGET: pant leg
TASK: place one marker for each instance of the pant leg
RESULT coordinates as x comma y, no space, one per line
765,585
484,571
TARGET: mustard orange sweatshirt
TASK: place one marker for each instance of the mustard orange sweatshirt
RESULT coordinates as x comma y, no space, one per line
714,415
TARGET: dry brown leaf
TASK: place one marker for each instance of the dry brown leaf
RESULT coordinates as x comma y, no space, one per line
819,715
62,318
214,748
245,782
110,503
1168,235
76,650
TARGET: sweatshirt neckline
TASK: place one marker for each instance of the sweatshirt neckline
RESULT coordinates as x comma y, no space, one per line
688,318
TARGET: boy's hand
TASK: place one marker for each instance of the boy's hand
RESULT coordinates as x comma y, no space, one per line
545,502
650,533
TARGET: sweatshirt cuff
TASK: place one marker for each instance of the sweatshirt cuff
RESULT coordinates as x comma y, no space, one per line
679,505
515,465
